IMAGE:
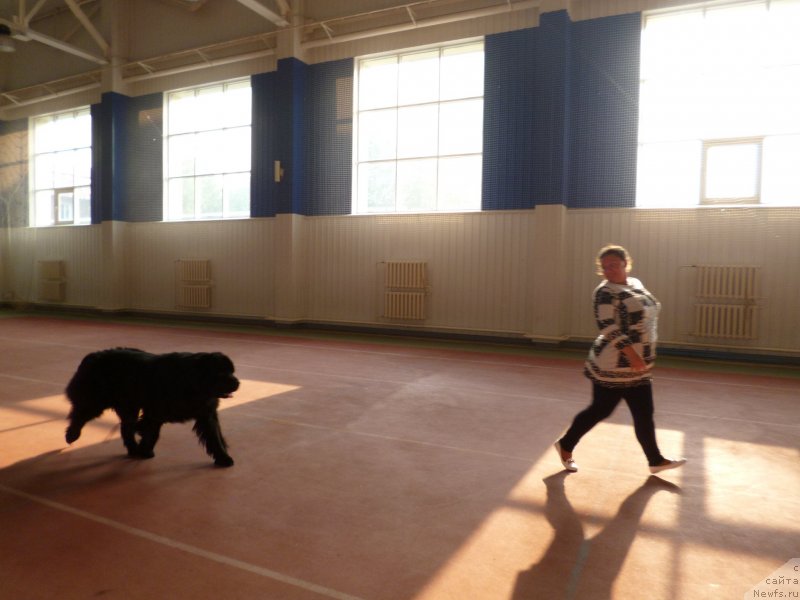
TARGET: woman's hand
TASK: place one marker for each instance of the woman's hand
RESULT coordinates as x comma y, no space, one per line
636,362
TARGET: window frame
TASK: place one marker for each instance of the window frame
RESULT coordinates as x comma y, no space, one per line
757,141
757,120
399,159
207,176
59,190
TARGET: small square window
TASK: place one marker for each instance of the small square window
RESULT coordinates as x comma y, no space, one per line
731,171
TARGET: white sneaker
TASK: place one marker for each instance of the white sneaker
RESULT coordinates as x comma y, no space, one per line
569,464
670,464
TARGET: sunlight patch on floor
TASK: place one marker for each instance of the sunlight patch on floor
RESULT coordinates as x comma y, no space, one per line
32,427
609,517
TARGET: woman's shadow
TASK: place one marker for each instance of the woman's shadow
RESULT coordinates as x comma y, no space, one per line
575,567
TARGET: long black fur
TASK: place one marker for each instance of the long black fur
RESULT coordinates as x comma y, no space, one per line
147,390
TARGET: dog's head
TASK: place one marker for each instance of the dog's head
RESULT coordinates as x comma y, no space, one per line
217,373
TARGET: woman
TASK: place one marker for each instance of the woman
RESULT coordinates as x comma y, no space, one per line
620,359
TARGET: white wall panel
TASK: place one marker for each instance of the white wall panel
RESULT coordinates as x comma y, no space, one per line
666,243
241,264
485,271
79,248
478,267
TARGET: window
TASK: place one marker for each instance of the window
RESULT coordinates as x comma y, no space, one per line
719,93
207,152
62,167
419,131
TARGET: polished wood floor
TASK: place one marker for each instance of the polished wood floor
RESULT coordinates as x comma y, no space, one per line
391,469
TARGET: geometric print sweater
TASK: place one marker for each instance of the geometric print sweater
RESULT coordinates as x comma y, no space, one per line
626,315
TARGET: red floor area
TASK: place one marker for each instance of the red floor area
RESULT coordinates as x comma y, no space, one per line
387,470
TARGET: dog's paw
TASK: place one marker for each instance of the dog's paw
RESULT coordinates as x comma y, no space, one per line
72,434
223,461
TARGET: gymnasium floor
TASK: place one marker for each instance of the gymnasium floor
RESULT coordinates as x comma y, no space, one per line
389,468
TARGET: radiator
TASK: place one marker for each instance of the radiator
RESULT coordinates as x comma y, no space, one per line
404,305
730,282
731,321
193,283
726,302
194,296
52,283
406,290
409,275
192,269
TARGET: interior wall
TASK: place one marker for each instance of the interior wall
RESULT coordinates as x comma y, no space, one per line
489,273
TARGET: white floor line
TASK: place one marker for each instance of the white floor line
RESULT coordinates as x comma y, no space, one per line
165,541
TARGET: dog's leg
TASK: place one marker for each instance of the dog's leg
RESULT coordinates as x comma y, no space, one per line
210,435
77,419
74,429
150,431
127,430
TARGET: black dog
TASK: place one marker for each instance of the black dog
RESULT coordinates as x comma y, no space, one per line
147,390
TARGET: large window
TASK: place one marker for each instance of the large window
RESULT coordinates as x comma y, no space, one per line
719,119
207,152
61,165
419,131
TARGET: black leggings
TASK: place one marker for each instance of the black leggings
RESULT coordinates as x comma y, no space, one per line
639,399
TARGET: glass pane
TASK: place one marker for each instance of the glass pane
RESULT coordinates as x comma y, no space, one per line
419,78
180,112
209,108
461,127
238,104
669,42
237,195
64,169
377,135
732,171
83,206
83,130
417,131
209,151
416,185
377,83
462,72
733,35
668,174
460,183
43,209
181,152
209,197
376,183
83,166
64,204
44,134
64,132
44,168
181,199
236,149
784,23
781,177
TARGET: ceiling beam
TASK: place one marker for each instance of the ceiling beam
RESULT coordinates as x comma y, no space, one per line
87,24
263,11
53,42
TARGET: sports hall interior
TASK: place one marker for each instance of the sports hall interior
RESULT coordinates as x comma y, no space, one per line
404,373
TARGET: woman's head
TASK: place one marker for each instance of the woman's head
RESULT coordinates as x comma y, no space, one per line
614,263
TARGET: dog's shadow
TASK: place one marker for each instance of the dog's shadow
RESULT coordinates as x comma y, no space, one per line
61,472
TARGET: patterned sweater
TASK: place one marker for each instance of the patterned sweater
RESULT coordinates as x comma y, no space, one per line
627,315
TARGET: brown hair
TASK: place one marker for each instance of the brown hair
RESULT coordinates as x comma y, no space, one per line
617,251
